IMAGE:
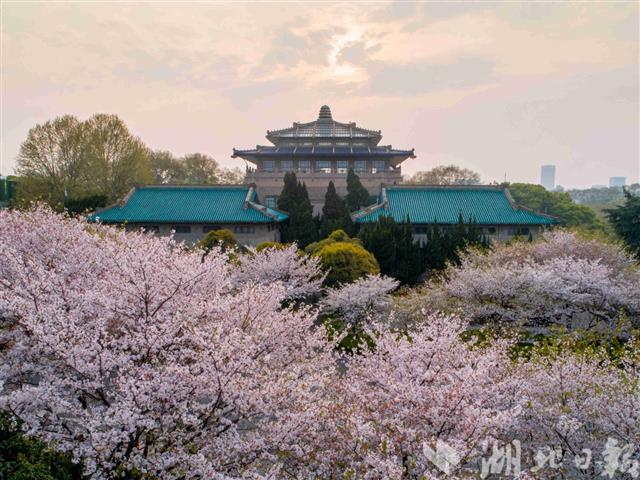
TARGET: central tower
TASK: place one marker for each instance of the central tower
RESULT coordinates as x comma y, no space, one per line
319,152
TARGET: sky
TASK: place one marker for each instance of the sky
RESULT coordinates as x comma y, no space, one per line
501,88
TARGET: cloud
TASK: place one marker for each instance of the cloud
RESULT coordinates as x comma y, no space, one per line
420,78
500,87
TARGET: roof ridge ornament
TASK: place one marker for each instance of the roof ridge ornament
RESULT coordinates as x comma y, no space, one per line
325,113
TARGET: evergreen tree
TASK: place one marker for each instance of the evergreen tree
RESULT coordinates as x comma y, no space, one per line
289,193
401,257
357,196
335,214
393,246
294,200
626,221
333,206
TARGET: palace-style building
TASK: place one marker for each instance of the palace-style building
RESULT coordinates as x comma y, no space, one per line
319,152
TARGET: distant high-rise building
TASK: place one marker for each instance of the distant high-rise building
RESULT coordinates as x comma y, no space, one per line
617,181
548,176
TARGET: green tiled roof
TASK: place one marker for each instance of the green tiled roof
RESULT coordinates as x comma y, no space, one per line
439,204
189,204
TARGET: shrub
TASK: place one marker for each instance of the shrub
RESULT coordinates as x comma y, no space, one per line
266,245
223,238
347,262
85,204
336,236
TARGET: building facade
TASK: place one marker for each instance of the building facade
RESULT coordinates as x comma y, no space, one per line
492,208
548,176
191,211
319,152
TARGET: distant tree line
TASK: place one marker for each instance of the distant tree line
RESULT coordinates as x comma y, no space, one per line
603,198
559,204
81,165
445,175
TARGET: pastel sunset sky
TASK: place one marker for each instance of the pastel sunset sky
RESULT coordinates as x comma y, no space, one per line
500,88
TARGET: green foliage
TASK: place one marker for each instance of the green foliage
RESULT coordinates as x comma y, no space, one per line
294,200
393,246
445,244
356,340
626,221
85,204
115,159
166,168
266,245
335,236
602,198
333,206
405,260
560,204
223,237
24,458
346,260
446,175
335,214
66,158
194,168
357,196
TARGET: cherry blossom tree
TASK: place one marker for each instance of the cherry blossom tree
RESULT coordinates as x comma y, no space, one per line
562,279
575,404
349,311
412,392
143,358
140,357
366,296
300,275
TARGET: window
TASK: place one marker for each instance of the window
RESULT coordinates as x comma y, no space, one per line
323,166
210,228
271,201
524,231
245,229
420,230
491,230
181,228
151,228
304,166
267,165
360,166
286,165
378,166
342,166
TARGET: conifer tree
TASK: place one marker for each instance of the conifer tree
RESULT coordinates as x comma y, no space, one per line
626,221
357,196
335,214
393,246
294,200
289,193
333,206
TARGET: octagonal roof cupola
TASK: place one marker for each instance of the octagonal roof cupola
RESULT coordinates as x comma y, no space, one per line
325,114
324,129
